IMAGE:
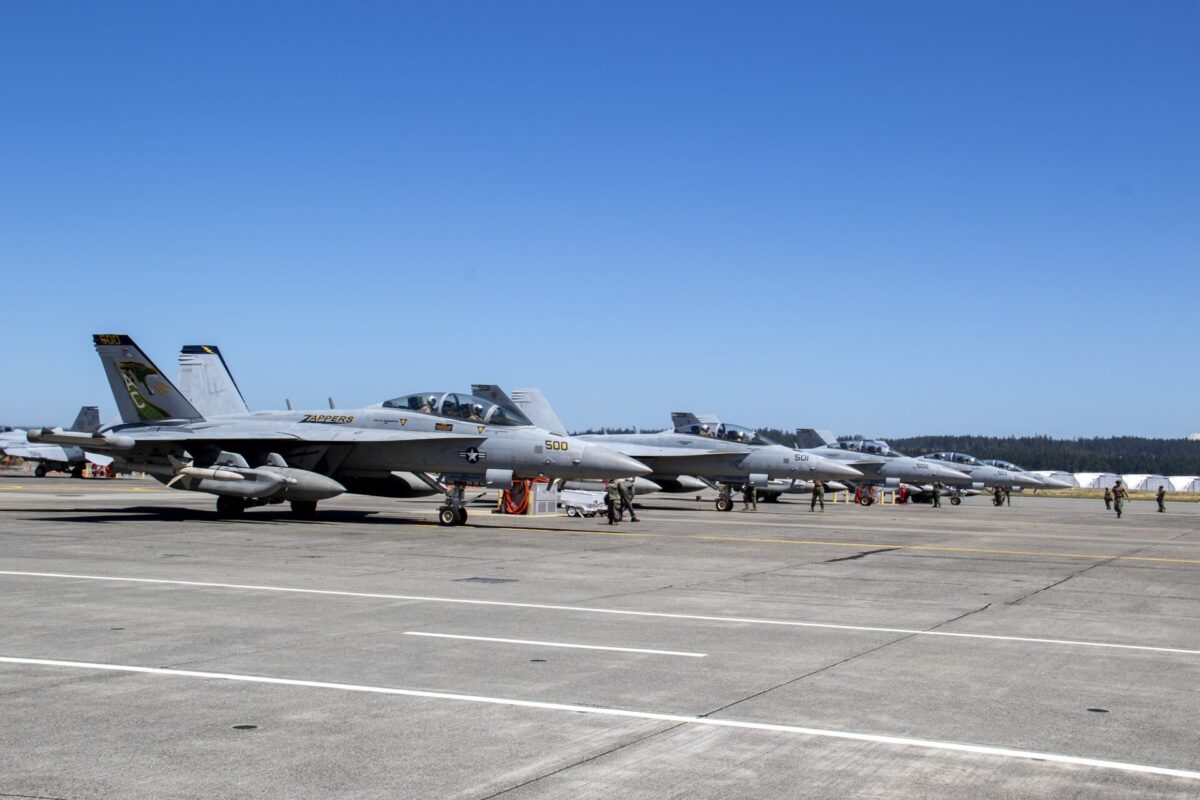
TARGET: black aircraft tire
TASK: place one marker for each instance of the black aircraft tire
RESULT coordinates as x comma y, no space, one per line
461,517
446,516
77,471
723,504
40,471
230,507
304,509
955,501
866,500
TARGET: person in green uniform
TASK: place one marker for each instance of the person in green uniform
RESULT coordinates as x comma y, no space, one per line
818,495
1161,498
937,494
625,489
1107,498
749,498
1120,495
612,502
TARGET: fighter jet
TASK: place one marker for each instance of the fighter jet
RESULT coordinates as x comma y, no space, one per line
879,463
1047,481
304,457
54,457
981,475
722,457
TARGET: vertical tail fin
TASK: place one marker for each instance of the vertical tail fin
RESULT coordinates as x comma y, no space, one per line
142,392
88,420
534,405
811,437
205,379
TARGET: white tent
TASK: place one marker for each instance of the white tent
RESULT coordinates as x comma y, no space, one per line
1057,475
1147,483
1096,480
1185,483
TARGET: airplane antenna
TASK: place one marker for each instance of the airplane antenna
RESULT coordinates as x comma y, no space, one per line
331,405
289,404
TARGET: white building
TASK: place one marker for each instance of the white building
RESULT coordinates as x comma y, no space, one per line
1147,483
1096,480
1185,483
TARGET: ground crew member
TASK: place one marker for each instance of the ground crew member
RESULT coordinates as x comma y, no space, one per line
818,495
625,490
937,494
997,495
749,497
1107,499
1120,495
1161,497
612,502
1007,496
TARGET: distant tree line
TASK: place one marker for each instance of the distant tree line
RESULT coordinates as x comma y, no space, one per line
1124,455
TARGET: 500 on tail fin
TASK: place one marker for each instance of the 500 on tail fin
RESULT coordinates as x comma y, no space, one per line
142,392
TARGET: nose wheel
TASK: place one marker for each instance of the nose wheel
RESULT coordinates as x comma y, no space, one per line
454,512
725,499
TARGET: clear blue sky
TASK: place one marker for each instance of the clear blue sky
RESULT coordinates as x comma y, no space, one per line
887,218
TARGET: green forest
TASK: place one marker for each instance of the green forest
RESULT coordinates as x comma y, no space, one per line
1123,455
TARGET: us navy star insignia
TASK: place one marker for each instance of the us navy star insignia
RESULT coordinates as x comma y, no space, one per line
472,455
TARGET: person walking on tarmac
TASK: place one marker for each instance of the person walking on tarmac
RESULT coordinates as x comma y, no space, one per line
625,490
1107,498
1007,496
937,494
612,502
997,495
749,497
818,496
1160,497
1120,495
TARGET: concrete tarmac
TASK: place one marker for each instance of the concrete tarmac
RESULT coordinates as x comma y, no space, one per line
151,650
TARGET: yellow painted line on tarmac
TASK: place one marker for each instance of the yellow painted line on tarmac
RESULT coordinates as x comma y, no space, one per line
868,545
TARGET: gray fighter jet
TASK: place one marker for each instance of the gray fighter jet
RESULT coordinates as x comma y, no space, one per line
1047,481
55,457
880,464
981,475
722,457
304,457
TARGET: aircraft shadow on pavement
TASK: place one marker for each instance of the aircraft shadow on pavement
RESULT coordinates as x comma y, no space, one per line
176,514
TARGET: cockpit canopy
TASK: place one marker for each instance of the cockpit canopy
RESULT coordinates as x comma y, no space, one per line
955,458
874,447
458,406
725,432
5,429
1008,465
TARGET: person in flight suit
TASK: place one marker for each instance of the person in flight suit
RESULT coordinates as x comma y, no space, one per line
1120,495
625,491
937,494
818,495
612,502
1161,498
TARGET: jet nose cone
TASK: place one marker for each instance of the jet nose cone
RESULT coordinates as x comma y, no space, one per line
834,470
1054,483
1029,481
949,474
600,463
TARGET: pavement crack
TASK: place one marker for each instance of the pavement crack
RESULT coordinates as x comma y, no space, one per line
860,555
614,749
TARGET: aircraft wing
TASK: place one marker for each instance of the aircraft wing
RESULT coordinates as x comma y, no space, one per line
37,452
293,433
651,451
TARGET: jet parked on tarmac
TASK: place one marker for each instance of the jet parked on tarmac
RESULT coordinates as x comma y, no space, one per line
722,457
981,475
879,464
1047,481
305,457
55,457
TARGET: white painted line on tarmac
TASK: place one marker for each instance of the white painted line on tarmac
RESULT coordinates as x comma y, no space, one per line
902,741
612,611
556,644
